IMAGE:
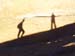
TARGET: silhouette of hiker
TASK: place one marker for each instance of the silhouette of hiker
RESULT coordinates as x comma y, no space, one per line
21,30
53,21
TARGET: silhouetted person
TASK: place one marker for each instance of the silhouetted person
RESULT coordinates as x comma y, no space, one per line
53,21
21,30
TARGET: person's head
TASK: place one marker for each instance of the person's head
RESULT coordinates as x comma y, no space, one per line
52,13
23,20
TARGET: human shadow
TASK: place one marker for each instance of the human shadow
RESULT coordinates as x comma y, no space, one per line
21,30
37,44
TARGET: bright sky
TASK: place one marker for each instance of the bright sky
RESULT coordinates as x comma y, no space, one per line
18,7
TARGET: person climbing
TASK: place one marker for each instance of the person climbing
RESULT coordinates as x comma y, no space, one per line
21,30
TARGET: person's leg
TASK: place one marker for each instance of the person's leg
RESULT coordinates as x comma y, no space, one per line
51,25
55,25
22,33
19,33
